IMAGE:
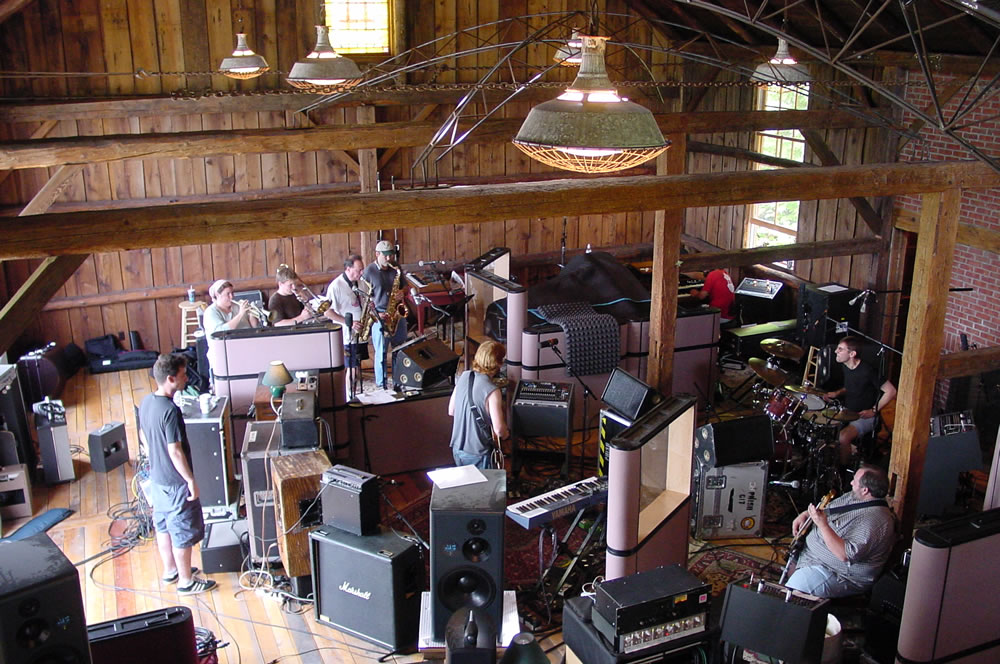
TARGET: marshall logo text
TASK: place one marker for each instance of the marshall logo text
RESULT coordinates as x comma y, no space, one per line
354,591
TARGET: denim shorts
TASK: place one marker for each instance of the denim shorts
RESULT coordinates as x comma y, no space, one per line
173,513
863,425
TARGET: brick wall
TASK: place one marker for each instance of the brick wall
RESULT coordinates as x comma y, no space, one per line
976,313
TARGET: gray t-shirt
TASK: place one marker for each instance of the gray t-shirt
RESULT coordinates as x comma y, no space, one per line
163,424
868,535
215,318
381,281
463,429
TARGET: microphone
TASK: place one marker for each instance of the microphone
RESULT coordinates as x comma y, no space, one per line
794,484
349,320
549,344
859,296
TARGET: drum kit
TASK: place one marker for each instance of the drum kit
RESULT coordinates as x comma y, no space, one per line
804,418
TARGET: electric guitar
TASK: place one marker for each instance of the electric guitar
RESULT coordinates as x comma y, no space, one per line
798,542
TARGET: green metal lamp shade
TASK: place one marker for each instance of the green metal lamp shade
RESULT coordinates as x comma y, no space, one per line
323,70
589,129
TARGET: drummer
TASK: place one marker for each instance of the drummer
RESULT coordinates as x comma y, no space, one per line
861,394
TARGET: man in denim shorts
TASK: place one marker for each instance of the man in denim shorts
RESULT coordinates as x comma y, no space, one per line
173,491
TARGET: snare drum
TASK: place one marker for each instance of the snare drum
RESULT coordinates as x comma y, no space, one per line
813,401
782,407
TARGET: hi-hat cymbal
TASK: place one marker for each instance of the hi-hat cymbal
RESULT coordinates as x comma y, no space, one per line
782,348
804,389
771,374
839,415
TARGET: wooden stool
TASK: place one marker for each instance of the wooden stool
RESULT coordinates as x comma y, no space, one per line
189,321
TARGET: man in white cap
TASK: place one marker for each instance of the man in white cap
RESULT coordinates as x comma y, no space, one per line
381,275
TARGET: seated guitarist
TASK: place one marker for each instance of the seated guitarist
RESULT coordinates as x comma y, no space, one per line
851,541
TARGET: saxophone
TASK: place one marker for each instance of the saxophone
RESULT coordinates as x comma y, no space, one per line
368,313
396,307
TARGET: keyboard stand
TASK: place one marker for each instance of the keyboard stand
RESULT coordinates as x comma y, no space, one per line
596,530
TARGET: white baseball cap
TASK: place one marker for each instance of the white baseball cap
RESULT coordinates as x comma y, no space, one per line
384,245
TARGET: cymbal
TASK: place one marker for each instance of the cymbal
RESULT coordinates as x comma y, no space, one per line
771,374
804,389
838,415
782,348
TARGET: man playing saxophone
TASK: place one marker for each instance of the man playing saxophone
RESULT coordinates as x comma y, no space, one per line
382,275
345,301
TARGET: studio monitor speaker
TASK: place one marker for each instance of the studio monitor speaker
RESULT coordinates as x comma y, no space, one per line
108,447
41,608
734,441
467,549
627,395
422,363
368,585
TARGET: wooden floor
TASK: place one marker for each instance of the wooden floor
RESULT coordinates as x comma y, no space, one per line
256,628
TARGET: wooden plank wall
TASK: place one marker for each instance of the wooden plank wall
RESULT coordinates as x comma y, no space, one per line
188,38
818,220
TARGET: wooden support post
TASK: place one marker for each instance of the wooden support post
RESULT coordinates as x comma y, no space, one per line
921,352
666,253
368,175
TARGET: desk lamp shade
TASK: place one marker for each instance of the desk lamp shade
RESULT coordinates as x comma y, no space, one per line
276,377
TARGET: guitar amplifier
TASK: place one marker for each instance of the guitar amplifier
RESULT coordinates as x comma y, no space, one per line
297,505
775,621
163,636
350,500
543,408
758,299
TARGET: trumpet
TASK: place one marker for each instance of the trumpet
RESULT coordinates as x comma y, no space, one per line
266,318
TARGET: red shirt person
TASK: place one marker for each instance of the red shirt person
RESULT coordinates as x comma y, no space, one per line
720,292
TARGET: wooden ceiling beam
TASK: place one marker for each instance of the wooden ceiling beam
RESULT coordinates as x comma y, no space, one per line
33,294
969,362
118,230
43,153
978,237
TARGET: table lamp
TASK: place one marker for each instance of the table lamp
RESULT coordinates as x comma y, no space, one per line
276,377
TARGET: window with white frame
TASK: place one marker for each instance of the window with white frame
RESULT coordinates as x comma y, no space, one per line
360,27
776,222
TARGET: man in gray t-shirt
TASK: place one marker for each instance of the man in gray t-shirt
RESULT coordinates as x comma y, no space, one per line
173,491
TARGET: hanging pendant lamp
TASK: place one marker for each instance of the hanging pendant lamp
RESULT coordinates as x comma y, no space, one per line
589,128
568,55
782,68
324,70
243,63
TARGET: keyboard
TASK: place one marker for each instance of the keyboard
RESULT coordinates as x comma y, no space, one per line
557,503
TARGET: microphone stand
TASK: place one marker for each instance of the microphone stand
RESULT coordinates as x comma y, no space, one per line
587,392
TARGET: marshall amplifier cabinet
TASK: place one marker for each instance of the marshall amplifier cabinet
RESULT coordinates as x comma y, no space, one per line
645,611
368,586
350,500
729,500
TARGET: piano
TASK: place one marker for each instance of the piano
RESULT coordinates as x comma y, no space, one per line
572,498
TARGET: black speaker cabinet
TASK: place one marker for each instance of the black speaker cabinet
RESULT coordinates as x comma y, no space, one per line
734,441
368,585
14,417
467,549
422,363
762,618
41,608
108,447
820,308
627,395
163,636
